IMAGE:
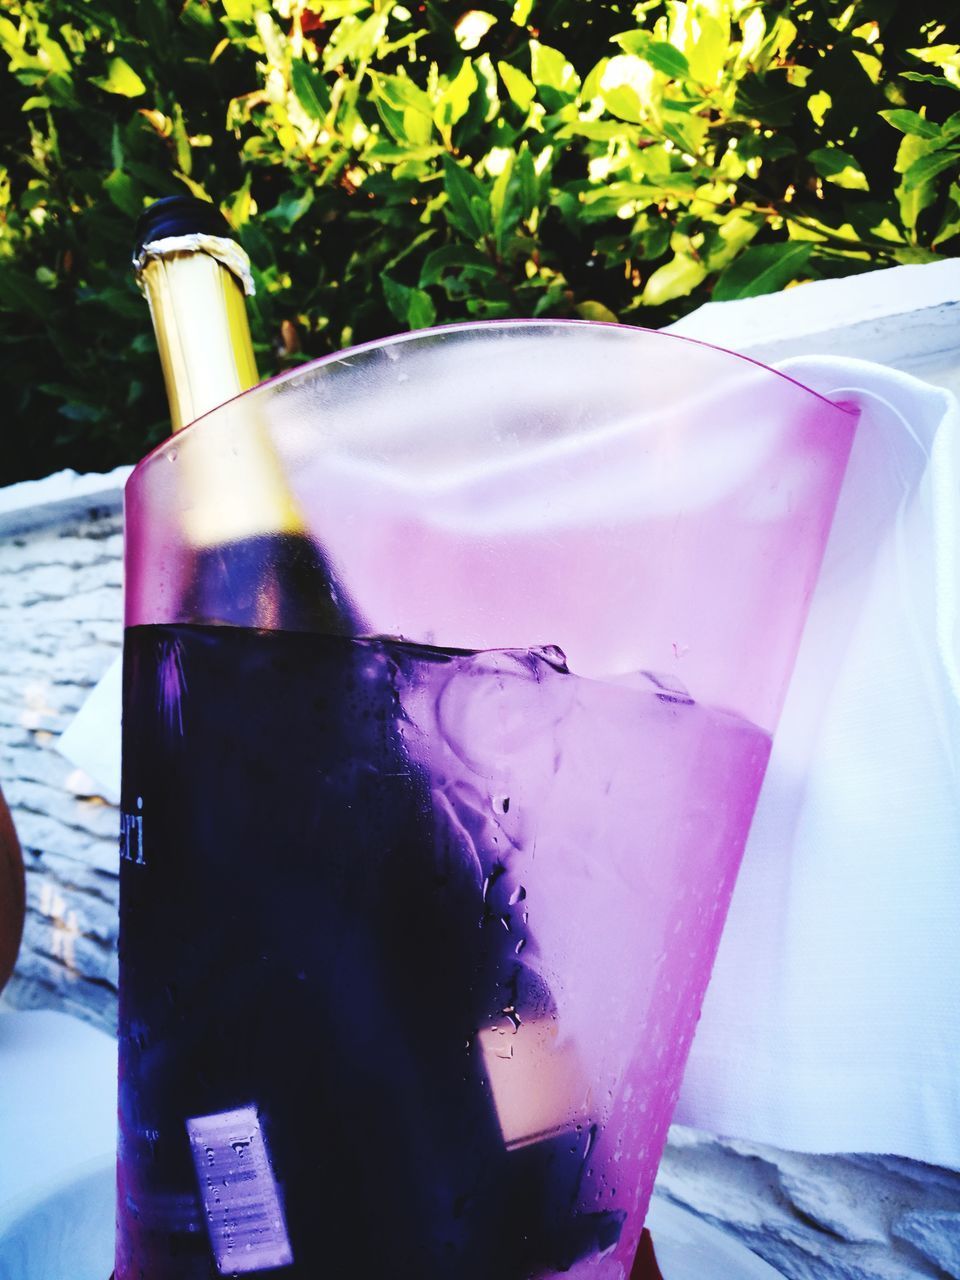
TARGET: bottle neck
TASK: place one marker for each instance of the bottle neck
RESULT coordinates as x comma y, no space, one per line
200,320
233,485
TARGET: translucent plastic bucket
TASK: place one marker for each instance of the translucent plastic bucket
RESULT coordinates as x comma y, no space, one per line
451,668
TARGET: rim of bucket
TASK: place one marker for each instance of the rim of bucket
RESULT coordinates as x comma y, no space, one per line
470,326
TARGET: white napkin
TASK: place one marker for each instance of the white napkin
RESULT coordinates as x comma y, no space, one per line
832,1022
92,738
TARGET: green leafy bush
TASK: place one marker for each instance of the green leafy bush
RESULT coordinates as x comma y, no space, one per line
390,167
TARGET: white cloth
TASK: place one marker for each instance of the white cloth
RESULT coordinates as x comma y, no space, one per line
92,738
832,1022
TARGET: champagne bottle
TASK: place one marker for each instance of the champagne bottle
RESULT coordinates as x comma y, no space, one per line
255,563
452,1115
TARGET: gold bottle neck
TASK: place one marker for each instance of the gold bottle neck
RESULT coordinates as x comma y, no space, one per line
200,318
233,485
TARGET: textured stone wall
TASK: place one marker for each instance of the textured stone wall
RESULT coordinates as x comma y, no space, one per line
815,1217
844,1217
60,628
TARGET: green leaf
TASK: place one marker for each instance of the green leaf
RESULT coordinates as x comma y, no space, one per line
407,249
653,236
818,104
909,254
921,77
627,88
355,41
591,310
910,150
472,27
685,131
453,102
80,412
596,130
634,42
181,140
940,55
239,206
590,88
271,38
668,59
763,268
520,87
886,230
521,12
310,89
403,92
403,155
197,15
454,257
754,32
195,188
391,46
290,208
116,147
771,99
504,208
912,201
485,106
120,79
124,192
54,57
706,48
10,38
839,167
124,301
950,228
19,292
550,69
418,127
623,101
928,167
783,33
607,200
730,238
468,203
414,307
334,9
529,184
394,121
675,279
911,122
405,109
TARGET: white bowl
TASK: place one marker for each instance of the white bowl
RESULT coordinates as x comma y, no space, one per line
62,1230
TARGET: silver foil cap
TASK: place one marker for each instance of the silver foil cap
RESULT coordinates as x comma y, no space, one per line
224,250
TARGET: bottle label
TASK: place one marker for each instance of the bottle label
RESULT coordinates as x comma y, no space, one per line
239,1191
131,835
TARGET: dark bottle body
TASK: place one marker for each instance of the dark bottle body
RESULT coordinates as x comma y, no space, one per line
303,934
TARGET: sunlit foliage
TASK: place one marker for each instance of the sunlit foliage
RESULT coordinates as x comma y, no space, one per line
390,167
